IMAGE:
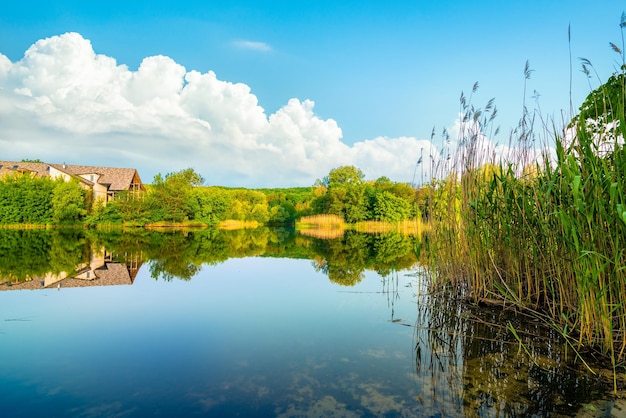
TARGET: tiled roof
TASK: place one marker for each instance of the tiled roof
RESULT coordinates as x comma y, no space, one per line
117,178
112,274
39,168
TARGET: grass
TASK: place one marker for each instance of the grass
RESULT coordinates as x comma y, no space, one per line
412,227
321,221
333,226
180,225
232,224
323,233
26,226
547,234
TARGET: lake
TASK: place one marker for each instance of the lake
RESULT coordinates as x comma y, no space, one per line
260,323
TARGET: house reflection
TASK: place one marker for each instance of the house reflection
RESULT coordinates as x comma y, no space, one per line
102,269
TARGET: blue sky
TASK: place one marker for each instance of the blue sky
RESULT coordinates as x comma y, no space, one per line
385,72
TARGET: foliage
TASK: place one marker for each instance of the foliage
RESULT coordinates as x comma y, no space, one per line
69,202
287,205
345,259
170,197
390,208
28,254
209,204
179,197
25,199
345,193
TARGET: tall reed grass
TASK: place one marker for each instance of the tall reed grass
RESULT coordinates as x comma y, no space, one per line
408,227
321,221
544,231
334,226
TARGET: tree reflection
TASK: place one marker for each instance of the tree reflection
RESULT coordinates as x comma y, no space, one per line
345,259
180,254
25,254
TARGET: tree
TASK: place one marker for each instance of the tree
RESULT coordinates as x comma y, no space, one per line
601,122
209,204
390,208
171,197
69,202
25,199
343,176
127,207
345,194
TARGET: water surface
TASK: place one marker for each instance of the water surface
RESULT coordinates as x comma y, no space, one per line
171,325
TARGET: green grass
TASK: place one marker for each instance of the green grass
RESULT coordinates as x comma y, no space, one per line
547,236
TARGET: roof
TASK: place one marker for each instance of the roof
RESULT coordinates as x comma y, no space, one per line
40,168
111,274
116,178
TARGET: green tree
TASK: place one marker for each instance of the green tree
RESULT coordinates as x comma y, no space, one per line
390,208
171,197
345,194
25,199
131,208
209,204
69,202
343,176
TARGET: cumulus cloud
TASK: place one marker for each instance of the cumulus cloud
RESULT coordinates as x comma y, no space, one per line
471,148
64,102
256,46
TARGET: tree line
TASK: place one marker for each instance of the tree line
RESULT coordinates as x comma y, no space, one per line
182,198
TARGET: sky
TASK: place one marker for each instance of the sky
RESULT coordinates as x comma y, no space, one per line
276,93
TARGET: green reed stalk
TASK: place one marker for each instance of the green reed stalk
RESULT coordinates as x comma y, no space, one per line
546,236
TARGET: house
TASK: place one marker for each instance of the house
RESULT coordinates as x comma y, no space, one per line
105,182
100,270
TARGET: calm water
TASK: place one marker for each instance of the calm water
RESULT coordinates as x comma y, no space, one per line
172,325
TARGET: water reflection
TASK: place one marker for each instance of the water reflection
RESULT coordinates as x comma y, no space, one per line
61,258
249,329
471,364
43,258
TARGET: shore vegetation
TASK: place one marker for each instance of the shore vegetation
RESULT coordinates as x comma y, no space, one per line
543,228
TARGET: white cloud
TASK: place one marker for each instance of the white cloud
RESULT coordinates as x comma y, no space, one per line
472,148
256,46
401,159
63,102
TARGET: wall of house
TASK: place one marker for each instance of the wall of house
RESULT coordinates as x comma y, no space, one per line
55,174
100,193
91,177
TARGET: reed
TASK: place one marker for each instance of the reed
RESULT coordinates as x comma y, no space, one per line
543,232
409,227
323,233
333,226
172,225
233,224
321,221
26,226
